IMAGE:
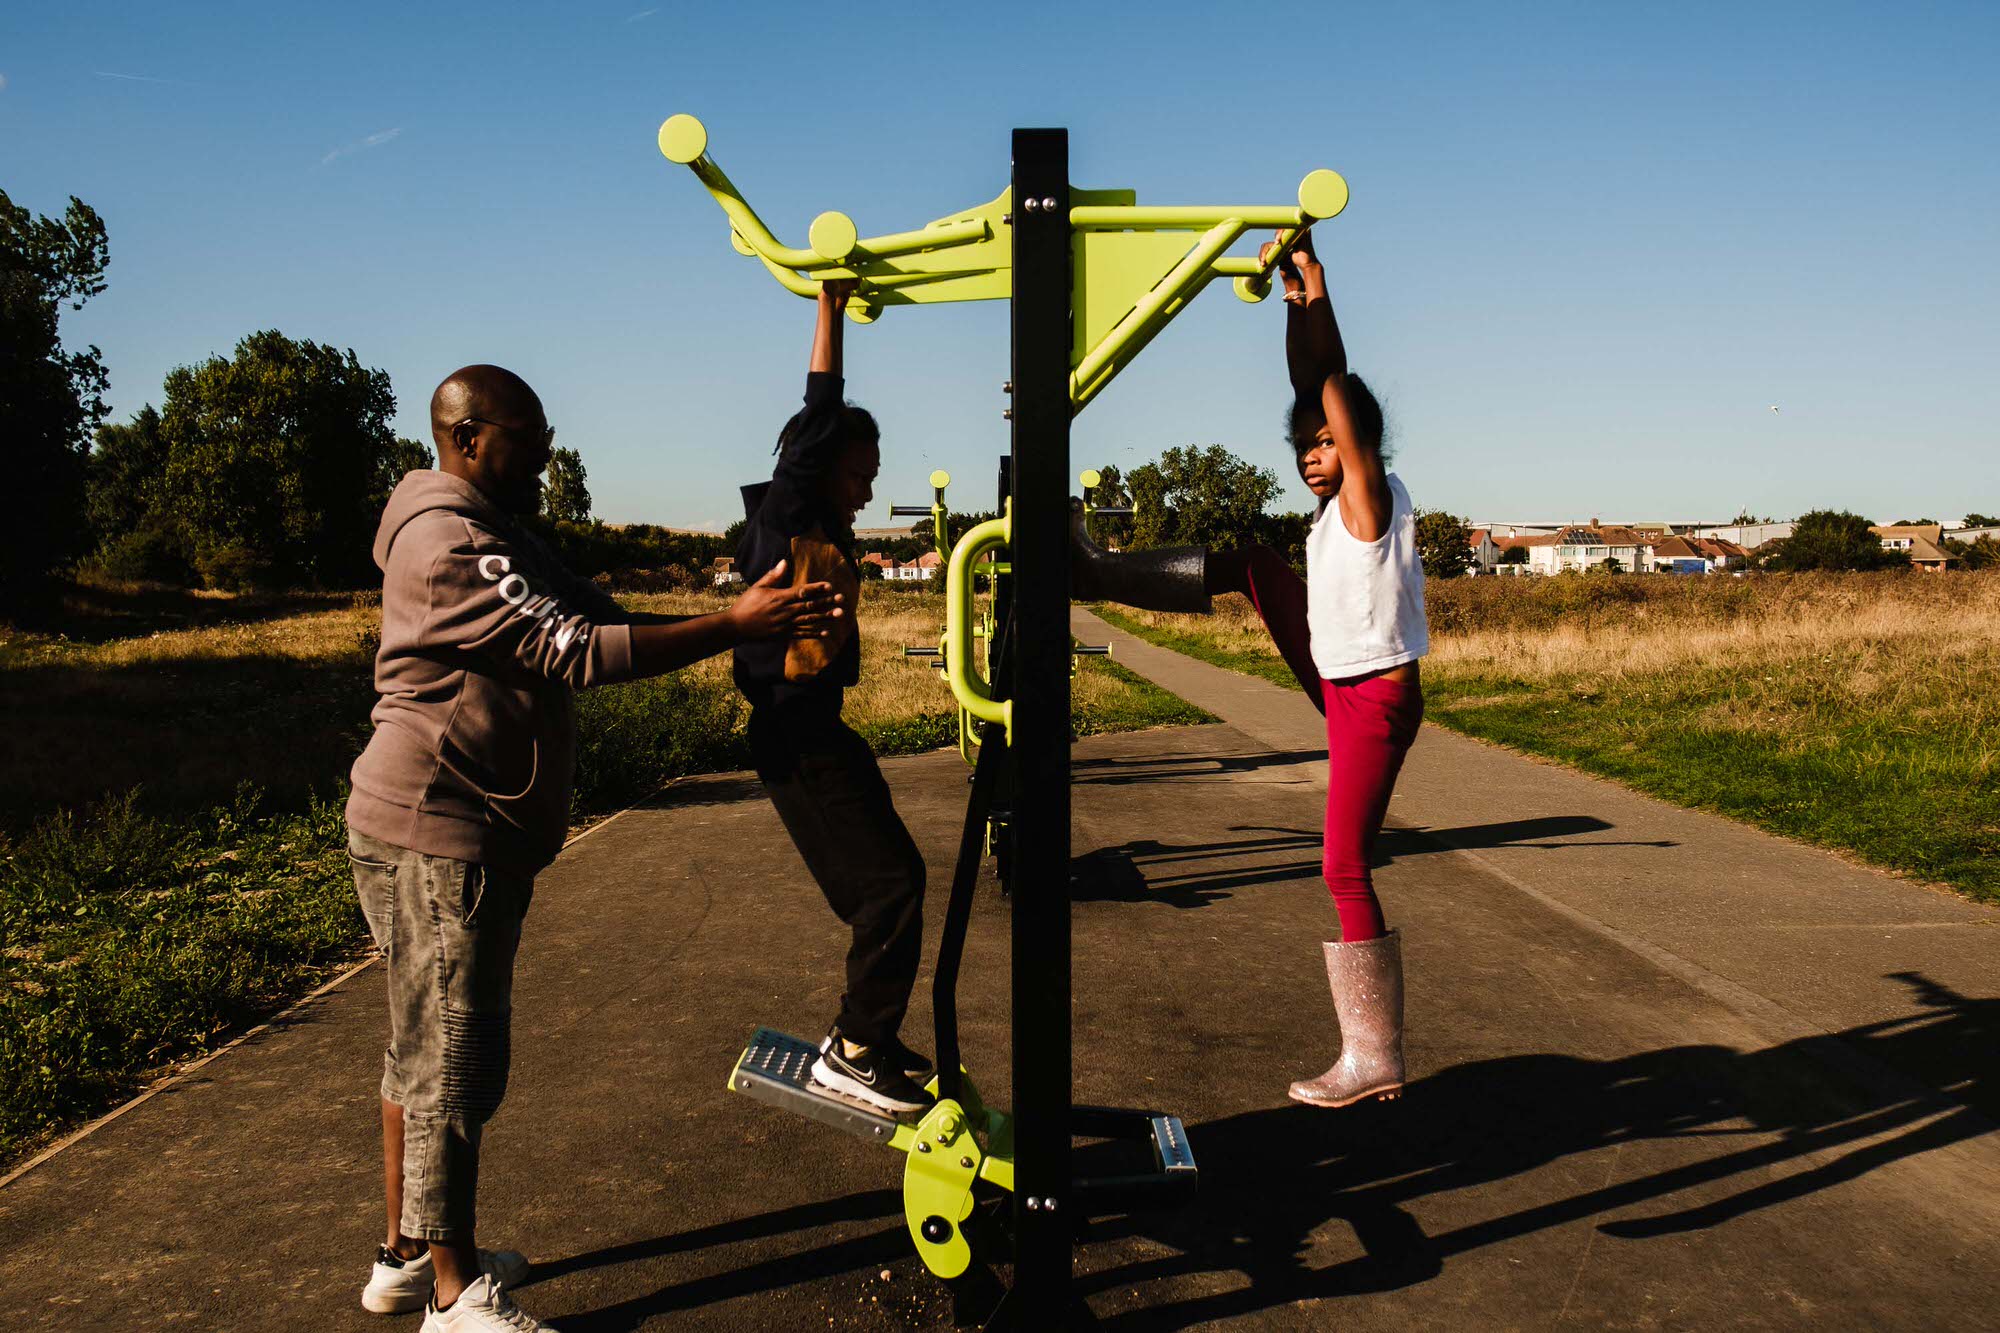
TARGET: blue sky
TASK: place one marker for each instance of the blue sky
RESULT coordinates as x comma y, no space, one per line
1589,247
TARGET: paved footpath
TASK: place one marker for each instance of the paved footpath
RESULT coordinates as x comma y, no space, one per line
1667,1073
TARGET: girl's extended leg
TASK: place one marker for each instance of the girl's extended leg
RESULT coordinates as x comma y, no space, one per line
1279,595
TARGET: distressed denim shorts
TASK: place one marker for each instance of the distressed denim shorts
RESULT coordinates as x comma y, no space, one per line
448,931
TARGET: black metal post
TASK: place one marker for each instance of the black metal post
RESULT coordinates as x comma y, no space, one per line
1039,685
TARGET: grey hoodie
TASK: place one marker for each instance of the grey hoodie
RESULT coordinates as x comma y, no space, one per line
484,637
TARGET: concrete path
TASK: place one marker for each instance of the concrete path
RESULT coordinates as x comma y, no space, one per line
1608,1126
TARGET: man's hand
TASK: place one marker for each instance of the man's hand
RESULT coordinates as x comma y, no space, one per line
769,609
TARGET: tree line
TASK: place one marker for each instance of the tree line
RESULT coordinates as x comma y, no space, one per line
265,468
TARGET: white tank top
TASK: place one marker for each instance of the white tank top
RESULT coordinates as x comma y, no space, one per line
1365,600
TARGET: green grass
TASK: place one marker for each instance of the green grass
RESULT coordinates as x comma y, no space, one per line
1202,646
1857,712
1883,784
127,940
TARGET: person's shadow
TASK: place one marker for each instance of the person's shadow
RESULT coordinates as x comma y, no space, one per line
1489,1120
1856,1100
1196,874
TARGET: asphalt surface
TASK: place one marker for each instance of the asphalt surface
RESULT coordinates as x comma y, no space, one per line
1667,1072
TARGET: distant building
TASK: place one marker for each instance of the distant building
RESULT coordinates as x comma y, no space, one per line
1923,543
1584,547
921,570
1485,551
1747,535
1694,555
722,571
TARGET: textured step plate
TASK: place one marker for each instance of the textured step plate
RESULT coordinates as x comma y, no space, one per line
777,1068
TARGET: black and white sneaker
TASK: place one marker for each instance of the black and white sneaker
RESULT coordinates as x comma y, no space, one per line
916,1067
868,1074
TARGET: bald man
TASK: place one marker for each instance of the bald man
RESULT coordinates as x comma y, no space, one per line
462,796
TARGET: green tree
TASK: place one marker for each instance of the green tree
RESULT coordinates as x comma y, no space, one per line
1514,555
1444,544
1980,521
50,400
565,494
402,458
1836,540
1199,497
275,461
137,531
124,475
1982,554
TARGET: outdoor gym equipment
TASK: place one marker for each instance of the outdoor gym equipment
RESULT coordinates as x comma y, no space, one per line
1092,277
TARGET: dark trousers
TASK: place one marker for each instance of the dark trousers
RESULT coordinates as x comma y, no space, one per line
825,783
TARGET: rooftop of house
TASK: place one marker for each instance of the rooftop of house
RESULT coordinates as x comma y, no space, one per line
1930,532
1593,534
1923,551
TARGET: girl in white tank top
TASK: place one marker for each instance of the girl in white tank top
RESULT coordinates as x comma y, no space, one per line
1364,614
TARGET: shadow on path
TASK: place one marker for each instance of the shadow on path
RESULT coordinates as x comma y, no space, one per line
1489,1120
1119,770
1149,870
771,1274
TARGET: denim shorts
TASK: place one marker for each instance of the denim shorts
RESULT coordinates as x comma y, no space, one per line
448,931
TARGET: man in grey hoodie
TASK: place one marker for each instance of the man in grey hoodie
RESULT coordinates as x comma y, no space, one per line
462,796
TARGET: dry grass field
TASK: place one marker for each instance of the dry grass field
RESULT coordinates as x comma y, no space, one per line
1859,711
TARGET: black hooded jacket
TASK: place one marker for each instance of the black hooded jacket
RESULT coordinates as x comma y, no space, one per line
791,504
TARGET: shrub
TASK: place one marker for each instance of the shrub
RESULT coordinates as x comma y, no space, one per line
150,553
126,941
633,738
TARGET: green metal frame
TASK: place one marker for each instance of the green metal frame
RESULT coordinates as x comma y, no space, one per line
968,683
1134,268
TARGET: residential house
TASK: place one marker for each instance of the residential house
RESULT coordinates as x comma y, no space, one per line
922,569
1586,547
1485,552
1923,543
1694,555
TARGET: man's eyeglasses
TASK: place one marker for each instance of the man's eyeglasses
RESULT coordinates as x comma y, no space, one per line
548,432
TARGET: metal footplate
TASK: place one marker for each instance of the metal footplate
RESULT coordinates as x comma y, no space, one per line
1171,1183
777,1068
1172,1153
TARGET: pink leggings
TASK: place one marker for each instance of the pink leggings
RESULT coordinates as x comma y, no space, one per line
1371,722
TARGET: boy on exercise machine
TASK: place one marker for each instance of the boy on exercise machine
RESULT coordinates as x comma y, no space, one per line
821,776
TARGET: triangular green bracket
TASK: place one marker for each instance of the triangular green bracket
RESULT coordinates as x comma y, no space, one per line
1134,268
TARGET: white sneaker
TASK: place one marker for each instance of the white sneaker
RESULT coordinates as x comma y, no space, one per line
399,1285
483,1307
